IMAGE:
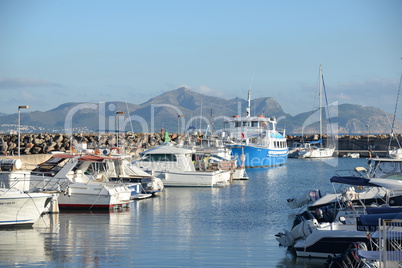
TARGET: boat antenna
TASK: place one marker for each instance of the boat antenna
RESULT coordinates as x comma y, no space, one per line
249,97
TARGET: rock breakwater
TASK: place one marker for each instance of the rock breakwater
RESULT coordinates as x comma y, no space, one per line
44,143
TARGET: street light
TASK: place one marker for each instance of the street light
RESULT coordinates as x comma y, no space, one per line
178,118
117,125
19,129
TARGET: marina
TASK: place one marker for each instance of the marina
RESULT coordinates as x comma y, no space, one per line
233,226
127,138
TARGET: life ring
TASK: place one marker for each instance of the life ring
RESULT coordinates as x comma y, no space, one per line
97,152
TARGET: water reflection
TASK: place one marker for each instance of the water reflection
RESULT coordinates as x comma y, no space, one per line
233,226
20,246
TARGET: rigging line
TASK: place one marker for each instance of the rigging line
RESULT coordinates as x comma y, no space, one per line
327,109
128,113
393,120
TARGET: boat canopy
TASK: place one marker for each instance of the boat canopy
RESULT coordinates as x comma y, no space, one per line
351,180
316,142
166,149
372,219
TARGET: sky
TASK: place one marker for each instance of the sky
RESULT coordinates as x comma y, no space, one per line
53,51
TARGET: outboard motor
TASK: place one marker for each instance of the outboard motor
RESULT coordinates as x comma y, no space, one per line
308,198
303,225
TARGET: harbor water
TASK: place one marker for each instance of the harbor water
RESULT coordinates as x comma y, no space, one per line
233,226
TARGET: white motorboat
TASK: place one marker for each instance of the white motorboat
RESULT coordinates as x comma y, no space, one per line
296,148
174,166
21,209
352,216
214,153
329,239
119,169
360,188
80,186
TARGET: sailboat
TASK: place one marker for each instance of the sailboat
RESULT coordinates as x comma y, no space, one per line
395,152
315,149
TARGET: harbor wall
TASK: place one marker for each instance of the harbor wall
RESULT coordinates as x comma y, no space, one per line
45,143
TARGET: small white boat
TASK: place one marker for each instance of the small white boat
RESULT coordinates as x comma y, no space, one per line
174,166
143,184
21,209
214,153
73,177
353,155
395,153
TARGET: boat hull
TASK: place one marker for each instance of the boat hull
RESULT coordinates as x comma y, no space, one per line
317,153
94,196
256,157
324,243
196,178
22,209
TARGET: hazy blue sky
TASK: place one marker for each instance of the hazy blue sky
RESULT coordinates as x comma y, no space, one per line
52,52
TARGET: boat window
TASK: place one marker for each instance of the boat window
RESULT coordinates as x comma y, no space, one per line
204,143
237,124
96,167
254,123
160,158
245,124
53,164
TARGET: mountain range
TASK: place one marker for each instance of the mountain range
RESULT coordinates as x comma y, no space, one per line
182,108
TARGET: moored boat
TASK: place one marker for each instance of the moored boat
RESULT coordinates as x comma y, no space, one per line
21,209
255,141
174,166
73,177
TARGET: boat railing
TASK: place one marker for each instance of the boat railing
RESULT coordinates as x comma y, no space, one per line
350,173
44,183
386,243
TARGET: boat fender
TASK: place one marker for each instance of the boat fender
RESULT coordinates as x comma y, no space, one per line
69,191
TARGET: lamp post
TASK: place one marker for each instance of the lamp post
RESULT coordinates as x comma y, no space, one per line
19,128
178,118
117,125
368,137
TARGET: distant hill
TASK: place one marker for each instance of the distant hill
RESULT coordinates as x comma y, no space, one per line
164,111
351,119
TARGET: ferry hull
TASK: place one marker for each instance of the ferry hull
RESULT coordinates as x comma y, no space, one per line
256,157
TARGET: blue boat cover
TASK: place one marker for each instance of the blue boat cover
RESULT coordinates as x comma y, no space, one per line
315,142
352,180
380,210
372,219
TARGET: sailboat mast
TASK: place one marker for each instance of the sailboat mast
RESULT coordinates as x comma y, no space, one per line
320,101
248,109
249,105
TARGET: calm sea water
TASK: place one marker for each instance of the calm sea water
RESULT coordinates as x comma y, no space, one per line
183,227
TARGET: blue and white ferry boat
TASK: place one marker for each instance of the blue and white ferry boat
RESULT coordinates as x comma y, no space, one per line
255,140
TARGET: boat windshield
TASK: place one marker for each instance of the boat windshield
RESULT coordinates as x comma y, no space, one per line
159,158
387,169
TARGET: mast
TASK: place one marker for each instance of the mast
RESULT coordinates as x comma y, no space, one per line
320,95
249,104
248,109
